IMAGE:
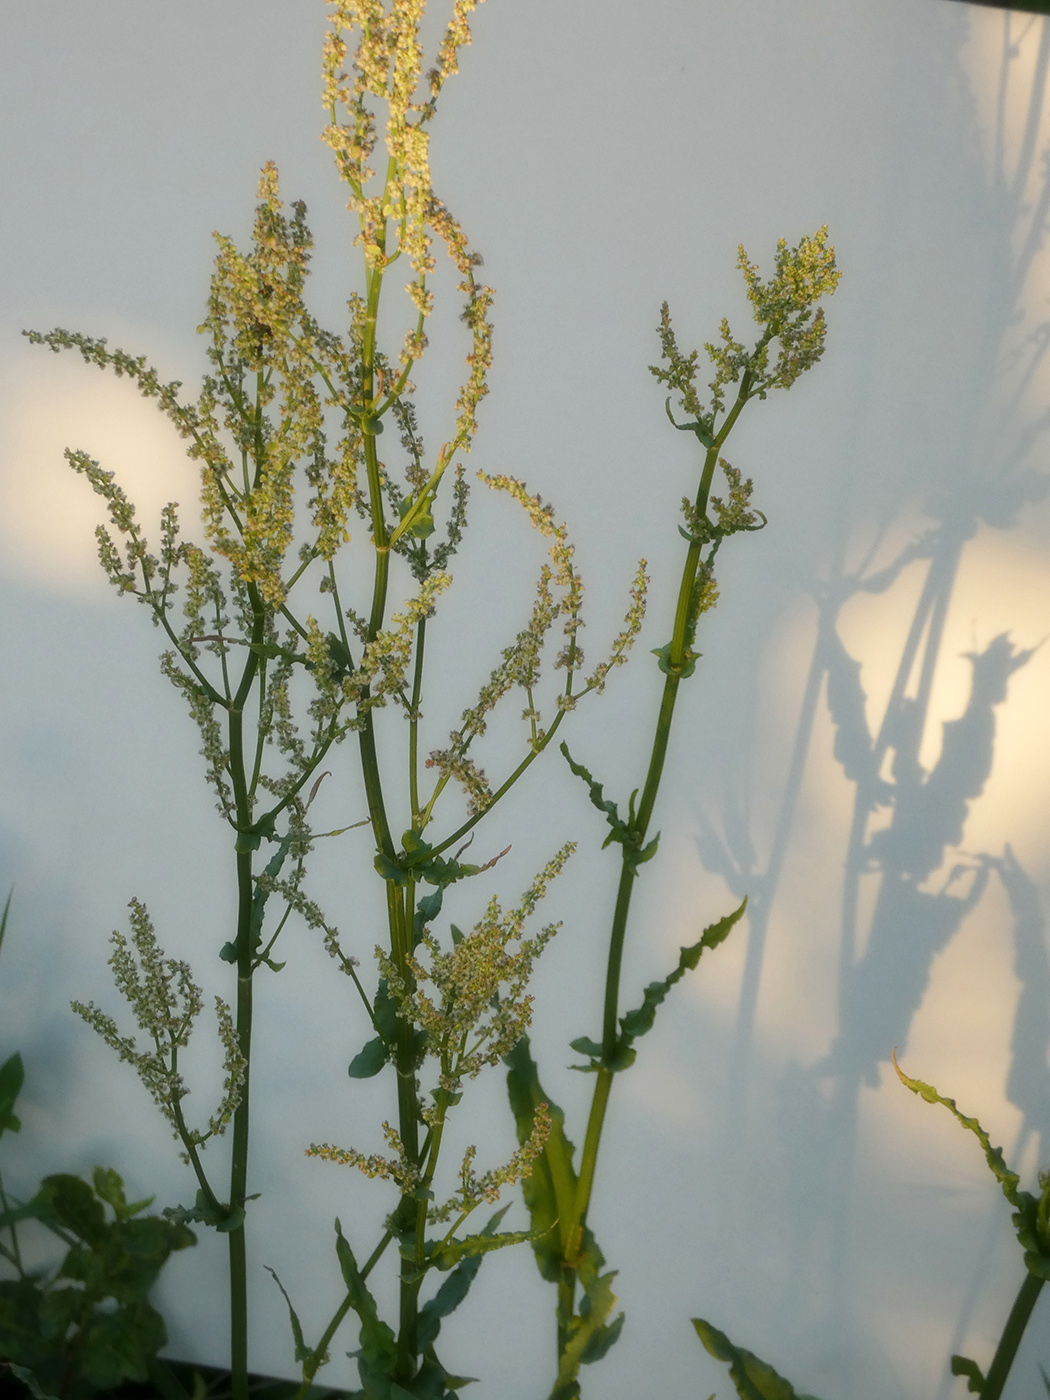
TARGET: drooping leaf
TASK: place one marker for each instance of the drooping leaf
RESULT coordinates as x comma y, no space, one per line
427,910
754,1379
550,1188
963,1366
453,1290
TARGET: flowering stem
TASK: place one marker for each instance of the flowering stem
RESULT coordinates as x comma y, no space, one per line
684,623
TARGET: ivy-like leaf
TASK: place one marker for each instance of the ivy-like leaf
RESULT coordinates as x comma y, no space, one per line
754,1379
76,1207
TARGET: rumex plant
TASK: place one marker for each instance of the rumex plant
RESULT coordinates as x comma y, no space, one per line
280,664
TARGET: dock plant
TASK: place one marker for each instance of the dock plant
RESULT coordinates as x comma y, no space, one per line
310,453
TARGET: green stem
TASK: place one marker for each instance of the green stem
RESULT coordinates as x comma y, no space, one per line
1011,1338
243,797
684,625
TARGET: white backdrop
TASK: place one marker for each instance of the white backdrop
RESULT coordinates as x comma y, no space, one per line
763,1167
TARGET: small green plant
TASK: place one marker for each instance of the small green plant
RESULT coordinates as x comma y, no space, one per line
88,1326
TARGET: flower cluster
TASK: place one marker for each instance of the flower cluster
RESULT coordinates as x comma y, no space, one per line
478,1009
165,1002
474,1189
397,1168
784,307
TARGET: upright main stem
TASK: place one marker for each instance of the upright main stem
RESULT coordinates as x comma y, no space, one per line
243,798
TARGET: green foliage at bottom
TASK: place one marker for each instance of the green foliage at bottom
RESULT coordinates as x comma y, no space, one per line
89,1327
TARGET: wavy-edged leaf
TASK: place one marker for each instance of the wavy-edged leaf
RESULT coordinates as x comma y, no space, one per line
636,1023
623,832
1007,1179
203,1212
754,1379
590,1334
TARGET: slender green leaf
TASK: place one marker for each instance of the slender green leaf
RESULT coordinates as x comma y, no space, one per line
302,1352
378,1350
3,917
1008,1180
636,1023
1029,1226
29,1381
754,1379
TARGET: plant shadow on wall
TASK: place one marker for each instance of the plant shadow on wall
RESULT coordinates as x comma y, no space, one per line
910,879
